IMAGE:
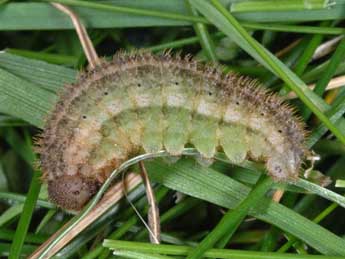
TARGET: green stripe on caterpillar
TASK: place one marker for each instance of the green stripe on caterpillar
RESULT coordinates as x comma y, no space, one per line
142,103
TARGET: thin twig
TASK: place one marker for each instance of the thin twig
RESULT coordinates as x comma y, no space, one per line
114,194
153,212
84,38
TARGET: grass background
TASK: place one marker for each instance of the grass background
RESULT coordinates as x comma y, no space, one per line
42,53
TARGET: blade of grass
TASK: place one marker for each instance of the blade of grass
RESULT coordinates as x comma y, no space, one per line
282,5
10,214
14,101
17,143
212,253
50,213
232,219
230,26
135,255
317,219
203,35
8,235
8,121
5,250
25,218
21,198
180,43
49,57
340,183
294,28
129,10
47,76
293,16
323,192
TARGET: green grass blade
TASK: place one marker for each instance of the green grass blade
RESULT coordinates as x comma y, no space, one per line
51,213
129,10
47,76
340,184
25,218
282,5
232,219
10,214
17,143
203,35
48,57
8,235
321,191
212,253
317,219
14,100
15,197
27,249
294,28
135,255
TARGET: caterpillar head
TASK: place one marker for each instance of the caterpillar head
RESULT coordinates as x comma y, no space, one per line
72,192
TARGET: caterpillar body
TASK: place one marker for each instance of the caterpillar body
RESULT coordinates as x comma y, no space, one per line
141,103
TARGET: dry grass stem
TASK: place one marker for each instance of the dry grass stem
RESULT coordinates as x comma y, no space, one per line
153,212
84,38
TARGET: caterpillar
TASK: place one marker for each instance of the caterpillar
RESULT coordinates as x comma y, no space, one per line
143,103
